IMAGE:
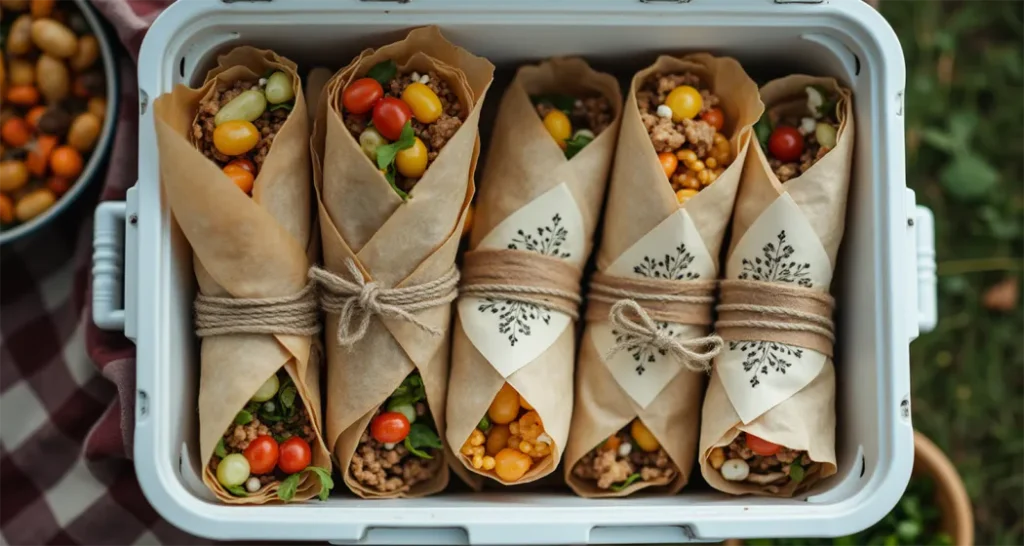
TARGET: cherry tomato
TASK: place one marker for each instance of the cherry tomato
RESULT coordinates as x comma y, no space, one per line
262,454
423,102
294,455
241,177
412,161
714,117
246,164
761,446
389,427
685,102
235,137
511,464
389,116
360,95
669,162
505,407
786,143
558,125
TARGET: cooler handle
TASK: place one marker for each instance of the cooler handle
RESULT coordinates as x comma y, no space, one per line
927,295
114,227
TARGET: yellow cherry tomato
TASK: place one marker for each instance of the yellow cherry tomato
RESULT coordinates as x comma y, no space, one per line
685,102
505,406
424,103
235,137
558,126
412,161
643,437
511,464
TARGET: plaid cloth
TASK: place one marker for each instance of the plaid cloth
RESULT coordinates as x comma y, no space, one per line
66,419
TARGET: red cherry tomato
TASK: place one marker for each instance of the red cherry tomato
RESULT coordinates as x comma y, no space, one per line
761,446
389,116
714,117
390,427
360,95
245,164
786,143
295,455
262,455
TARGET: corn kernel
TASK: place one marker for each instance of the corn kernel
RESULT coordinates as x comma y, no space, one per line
686,156
717,458
695,165
476,438
478,461
704,177
478,451
467,449
711,162
682,196
488,463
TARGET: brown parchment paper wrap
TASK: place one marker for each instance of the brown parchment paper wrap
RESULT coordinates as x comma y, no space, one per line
805,421
244,247
640,197
524,162
394,243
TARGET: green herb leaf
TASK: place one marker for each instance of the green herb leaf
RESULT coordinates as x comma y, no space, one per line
220,451
326,482
575,144
485,424
763,129
237,490
387,153
629,481
282,437
410,391
283,106
270,418
421,436
287,396
383,72
243,418
565,103
796,472
286,491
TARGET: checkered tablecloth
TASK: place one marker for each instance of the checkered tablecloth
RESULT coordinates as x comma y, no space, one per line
66,388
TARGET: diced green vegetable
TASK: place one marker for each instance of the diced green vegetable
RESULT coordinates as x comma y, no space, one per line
243,418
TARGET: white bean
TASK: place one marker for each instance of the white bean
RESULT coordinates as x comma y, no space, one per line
253,484
664,111
735,470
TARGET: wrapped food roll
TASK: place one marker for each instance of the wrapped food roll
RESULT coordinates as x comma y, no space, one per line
510,395
769,416
640,372
395,147
245,131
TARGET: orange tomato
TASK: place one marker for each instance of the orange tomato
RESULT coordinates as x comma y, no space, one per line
244,163
668,163
714,117
6,209
505,406
511,464
58,185
40,156
33,115
23,95
66,161
15,132
241,177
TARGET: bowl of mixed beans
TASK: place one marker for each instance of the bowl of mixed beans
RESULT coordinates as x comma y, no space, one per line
58,104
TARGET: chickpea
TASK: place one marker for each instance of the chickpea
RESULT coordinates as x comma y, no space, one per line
33,204
497,439
711,162
511,465
85,57
53,78
13,175
54,38
505,407
476,438
686,155
695,166
84,131
19,37
704,176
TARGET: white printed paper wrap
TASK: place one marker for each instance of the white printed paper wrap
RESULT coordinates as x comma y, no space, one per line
673,250
780,247
511,334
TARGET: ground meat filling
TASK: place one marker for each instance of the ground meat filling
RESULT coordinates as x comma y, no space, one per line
238,437
391,470
738,462
594,114
268,124
434,135
692,150
617,463
813,152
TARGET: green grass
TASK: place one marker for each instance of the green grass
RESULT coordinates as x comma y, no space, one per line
965,113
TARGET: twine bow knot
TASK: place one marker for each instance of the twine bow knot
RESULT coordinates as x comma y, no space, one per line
356,301
696,354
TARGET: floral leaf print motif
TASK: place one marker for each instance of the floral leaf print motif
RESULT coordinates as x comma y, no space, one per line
516,318
670,266
646,355
775,265
548,240
764,357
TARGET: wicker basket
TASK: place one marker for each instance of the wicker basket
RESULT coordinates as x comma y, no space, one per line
950,494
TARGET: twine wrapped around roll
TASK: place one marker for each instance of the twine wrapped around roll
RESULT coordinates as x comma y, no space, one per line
764,311
295,315
357,301
527,277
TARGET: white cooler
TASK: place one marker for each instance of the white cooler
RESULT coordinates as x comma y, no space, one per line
143,280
